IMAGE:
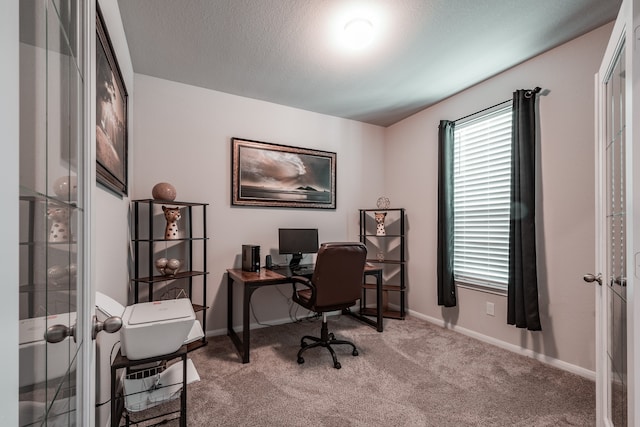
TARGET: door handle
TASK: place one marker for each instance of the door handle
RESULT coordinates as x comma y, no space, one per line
56,333
110,325
590,278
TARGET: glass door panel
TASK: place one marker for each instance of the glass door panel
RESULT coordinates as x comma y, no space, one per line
615,278
51,107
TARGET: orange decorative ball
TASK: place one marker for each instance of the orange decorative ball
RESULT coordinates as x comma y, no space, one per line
163,191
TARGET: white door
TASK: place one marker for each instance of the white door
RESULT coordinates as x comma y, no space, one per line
616,233
56,385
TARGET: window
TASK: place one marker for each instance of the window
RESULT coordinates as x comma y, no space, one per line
481,199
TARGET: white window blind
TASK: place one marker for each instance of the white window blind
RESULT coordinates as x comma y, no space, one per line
482,177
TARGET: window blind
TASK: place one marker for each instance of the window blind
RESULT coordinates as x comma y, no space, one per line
482,176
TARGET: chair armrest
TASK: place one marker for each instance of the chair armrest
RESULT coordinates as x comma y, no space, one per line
305,282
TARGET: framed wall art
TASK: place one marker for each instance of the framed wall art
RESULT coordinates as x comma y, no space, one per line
111,115
274,175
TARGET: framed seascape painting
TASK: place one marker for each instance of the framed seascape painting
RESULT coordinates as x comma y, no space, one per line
274,175
111,115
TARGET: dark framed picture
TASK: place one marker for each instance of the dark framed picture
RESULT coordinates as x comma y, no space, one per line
274,175
111,114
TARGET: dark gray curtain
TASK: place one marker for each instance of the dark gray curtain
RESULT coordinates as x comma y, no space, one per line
446,286
522,310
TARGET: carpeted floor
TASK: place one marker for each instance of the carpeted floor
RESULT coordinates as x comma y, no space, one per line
412,374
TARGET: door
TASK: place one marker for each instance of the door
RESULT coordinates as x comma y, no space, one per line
615,228
55,386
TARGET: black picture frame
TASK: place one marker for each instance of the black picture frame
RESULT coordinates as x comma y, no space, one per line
111,115
274,175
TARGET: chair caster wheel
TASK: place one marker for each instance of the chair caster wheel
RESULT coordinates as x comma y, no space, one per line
332,337
354,352
337,365
300,360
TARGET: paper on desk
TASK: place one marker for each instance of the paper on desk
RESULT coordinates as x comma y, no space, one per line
144,393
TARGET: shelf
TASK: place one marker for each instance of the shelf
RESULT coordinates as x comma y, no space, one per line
196,345
394,288
177,276
169,202
198,307
382,210
391,314
385,235
386,261
184,239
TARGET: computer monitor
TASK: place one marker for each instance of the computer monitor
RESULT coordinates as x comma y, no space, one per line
297,241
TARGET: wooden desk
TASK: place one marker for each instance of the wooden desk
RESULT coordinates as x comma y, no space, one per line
251,281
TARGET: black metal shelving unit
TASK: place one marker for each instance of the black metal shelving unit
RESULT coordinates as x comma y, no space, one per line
389,252
193,238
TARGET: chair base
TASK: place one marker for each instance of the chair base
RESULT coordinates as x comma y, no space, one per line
326,340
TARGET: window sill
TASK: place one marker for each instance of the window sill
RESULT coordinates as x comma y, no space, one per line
482,288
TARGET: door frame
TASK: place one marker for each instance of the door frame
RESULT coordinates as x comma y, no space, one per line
624,26
9,259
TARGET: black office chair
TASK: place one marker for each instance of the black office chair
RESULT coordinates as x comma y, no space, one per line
336,284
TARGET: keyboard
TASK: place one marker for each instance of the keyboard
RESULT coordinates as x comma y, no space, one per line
303,271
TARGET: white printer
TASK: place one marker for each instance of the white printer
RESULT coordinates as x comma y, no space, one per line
153,328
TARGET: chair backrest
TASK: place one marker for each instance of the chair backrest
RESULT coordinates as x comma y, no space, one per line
338,273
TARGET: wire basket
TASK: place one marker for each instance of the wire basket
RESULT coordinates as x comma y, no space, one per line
146,388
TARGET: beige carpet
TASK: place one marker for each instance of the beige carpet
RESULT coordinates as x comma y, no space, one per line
412,374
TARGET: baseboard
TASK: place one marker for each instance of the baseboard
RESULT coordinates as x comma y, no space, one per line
255,325
557,363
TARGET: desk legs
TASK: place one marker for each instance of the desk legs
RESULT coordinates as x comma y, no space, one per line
241,345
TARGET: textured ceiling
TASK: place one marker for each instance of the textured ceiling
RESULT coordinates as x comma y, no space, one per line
284,51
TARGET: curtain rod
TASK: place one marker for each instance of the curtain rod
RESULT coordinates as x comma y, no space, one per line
529,93
481,111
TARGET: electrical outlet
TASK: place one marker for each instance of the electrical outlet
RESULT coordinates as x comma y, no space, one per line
491,309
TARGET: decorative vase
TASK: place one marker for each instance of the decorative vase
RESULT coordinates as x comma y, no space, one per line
59,231
66,188
163,191
379,217
172,215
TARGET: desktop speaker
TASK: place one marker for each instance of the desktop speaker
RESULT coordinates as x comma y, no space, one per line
268,262
251,258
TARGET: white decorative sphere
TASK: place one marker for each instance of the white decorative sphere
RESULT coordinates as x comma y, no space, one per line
66,187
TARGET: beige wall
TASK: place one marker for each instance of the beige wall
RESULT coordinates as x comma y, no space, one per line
183,136
111,229
565,216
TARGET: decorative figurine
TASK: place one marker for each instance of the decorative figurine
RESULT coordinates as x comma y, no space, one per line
168,267
379,217
383,202
172,215
59,232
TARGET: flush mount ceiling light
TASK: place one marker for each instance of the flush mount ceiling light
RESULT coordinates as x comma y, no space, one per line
358,32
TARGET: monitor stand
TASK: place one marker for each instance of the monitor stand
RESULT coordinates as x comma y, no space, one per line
295,261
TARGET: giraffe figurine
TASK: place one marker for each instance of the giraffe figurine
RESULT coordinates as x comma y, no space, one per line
172,215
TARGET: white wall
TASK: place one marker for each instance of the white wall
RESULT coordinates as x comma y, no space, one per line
565,216
183,136
9,123
111,230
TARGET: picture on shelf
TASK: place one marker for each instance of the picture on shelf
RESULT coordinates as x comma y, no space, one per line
274,175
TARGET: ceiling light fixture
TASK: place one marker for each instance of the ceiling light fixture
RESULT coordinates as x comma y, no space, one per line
358,32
